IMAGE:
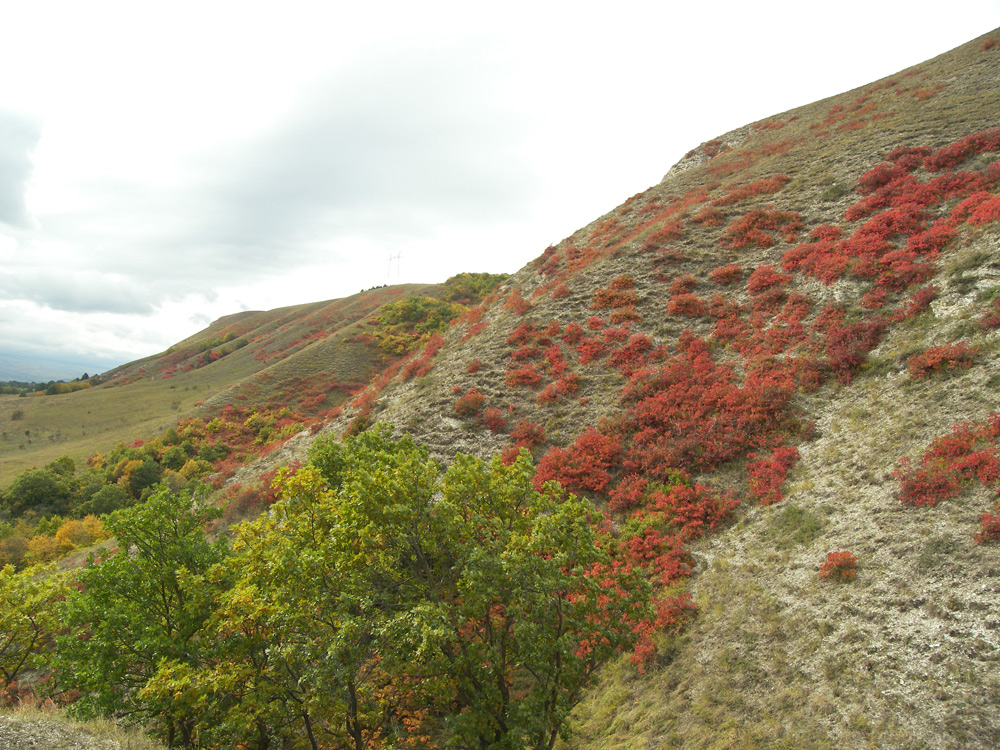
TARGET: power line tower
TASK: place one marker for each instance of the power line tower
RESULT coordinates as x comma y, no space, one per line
392,258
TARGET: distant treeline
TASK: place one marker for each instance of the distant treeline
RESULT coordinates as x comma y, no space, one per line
52,387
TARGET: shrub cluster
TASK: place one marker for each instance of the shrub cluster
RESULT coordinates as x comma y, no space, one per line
840,565
944,358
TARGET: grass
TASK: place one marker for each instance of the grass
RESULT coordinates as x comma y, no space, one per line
728,695
104,732
34,430
793,526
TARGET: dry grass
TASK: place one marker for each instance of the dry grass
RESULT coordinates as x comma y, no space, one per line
54,729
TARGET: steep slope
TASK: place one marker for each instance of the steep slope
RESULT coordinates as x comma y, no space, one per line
751,347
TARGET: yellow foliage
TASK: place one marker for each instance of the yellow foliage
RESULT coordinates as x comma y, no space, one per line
42,549
12,550
195,467
84,533
122,470
175,480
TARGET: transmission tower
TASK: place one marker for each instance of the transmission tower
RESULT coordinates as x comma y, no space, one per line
391,259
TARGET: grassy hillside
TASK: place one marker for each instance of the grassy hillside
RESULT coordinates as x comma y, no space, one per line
798,305
308,358
775,371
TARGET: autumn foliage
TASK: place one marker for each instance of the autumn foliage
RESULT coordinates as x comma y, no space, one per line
840,565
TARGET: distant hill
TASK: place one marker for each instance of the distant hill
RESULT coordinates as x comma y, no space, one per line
31,368
305,358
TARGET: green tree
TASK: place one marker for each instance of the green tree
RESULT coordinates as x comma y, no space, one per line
379,600
174,457
63,465
145,604
38,490
408,322
140,477
470,288
529,607
252,691
27,616
107,499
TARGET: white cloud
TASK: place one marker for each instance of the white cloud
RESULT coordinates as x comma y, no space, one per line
19,136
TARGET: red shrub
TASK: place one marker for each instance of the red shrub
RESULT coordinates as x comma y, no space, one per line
523,376
568,384
527,434
991,317
624,315
548,395
632,356
726,274
493,420
730,329
470,404
525,353
987,211
847,346
920,300
767,475
989,528
554,358
591,349
417,368
966,454
474,365
873,299
909,157
936,359
628,493
687,306
692,510
614,298
523,334
683,284
623,281
880,176
671,230
767,186
572,333
475,329
764,278
822,259
841,565
516,303
954,154
709,217
583,466
615,335
689,413
756,228
931,241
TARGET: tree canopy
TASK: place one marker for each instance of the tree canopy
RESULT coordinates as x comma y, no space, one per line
382,602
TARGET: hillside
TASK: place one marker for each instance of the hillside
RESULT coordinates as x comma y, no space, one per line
775,372
306,358
750,348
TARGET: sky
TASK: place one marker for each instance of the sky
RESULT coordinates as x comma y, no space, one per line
164,164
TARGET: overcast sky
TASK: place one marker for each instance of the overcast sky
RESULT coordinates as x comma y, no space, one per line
163,164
